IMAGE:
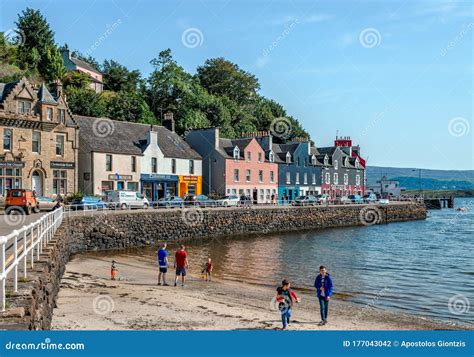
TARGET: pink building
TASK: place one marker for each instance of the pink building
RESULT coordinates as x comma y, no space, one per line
235,166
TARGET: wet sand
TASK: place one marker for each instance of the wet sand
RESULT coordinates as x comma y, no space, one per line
89,300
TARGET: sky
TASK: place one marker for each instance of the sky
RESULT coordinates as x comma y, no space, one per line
395,76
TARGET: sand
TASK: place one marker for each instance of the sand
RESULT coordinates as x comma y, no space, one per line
89,300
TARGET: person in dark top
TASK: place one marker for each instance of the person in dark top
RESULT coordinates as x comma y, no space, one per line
162,264
286,297
323,285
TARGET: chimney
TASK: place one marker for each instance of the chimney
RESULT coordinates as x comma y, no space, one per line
168,122
65,53
58,86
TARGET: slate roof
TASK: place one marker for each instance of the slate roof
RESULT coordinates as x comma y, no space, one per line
6,88
327,150
45,96
84,64
129,138
226,146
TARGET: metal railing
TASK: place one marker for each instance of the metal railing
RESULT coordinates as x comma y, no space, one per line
23,245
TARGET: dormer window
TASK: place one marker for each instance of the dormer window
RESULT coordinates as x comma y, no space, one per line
313,160
24,107
297,161
61,116
357,163
271,156
236,153
335,164
288,158
326,160
49,113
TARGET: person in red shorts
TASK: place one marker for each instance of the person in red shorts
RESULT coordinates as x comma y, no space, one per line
181,264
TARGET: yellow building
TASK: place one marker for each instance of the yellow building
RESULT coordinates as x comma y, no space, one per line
189,185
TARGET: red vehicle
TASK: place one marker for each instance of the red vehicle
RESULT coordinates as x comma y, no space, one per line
21,200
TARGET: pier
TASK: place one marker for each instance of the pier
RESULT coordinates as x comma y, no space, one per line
438,203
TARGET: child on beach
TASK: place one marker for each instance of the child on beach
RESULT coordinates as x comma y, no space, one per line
113,270
323,285
286,297
208,267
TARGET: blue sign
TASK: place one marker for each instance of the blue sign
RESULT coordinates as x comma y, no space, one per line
158,177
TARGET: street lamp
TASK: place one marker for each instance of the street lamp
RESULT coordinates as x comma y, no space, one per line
419,181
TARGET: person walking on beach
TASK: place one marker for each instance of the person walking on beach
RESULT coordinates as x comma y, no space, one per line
162,264
208,267
323,285
113,270
181,264
286,297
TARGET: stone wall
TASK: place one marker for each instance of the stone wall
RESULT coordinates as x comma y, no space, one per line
32,307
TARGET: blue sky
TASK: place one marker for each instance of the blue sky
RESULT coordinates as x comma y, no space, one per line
396,76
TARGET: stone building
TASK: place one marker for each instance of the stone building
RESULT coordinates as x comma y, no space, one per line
38,140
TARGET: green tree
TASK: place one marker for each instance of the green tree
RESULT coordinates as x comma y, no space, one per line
36,39
118,78
224,78
54,69
128,106
74,79
85,101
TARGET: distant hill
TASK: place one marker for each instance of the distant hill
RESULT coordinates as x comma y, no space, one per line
431,179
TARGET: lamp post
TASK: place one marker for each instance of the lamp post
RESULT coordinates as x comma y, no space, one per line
419,182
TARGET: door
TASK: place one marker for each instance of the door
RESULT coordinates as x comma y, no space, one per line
37,183
255,196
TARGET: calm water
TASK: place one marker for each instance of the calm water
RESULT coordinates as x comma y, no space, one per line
413,267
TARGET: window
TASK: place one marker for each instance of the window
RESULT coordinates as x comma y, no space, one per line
61,115
107,186
132,186
236,175
336,178
249,156
271,157
59,182
297,178
267,194
326,160
9,178
346,179
173,166
328,178
335,164
357,180
288,178
305,162
288,158
49,113
133,163
24,107
298,161
7,139
108,162
262,195
272,176
236,153
191,167
305,178
247,176
59,145
260,157
314,179
260,176
36,142
313,161
154,165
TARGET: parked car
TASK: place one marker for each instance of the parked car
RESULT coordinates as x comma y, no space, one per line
228,201
370,197
21,200
305,201
384,201
355,199
88,203
127,199
343,200
199,200
171,201
47,204
322,198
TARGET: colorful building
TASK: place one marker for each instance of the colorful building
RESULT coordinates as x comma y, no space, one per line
235,166
75,64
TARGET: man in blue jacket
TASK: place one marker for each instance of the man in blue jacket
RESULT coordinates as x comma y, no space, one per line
323,285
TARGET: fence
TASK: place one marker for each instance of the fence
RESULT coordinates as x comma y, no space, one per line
21,245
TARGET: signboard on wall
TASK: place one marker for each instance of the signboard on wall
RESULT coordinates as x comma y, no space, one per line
120,177
62,165
12,164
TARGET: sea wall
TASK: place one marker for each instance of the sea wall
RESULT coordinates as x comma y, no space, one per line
32,307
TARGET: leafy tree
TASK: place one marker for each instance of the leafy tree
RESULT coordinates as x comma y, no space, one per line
85,101
118,78
128,106
224,78
36,39
75,79
54,70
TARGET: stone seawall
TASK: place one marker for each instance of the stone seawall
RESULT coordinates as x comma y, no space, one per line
32,307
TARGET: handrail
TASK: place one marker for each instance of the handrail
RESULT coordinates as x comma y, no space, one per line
21,246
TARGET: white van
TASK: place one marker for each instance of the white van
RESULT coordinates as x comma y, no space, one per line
127,199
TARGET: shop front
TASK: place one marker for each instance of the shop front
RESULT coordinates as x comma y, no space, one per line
10,175
156,186
288,193
189,185
119,182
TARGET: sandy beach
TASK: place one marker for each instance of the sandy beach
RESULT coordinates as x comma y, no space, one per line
89,300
